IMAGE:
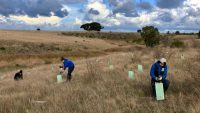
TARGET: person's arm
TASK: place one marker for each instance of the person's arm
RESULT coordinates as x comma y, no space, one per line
152,72
65,65
165,72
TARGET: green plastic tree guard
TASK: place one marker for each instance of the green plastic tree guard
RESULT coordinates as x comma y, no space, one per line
159,91
111,67
140,68
52,67
182,57
131,74
59,78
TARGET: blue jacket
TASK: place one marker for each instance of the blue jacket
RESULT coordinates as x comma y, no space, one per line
67,64
156,71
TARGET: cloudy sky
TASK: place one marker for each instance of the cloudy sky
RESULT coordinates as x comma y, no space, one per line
114,15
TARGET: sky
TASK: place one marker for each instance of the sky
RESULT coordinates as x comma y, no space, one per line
114,15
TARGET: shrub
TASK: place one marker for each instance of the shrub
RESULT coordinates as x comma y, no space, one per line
139,41
38,29
177,33
2,48
168,32
178,44
139,31
150,35
47,61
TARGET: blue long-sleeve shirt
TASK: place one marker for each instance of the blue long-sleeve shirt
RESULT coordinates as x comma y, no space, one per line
156,68
67,64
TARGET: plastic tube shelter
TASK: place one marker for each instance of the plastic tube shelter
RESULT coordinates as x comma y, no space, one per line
131,74
59,78
159,91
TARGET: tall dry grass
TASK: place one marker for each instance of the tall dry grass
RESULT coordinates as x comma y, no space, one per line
105,35
16,54
97,89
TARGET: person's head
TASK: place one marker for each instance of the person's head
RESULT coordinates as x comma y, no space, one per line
20,71
163,62
62,59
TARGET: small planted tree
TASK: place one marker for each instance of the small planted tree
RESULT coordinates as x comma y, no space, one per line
150,34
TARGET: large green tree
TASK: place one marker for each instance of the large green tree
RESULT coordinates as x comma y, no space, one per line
199,34
177,32
150,34
94,26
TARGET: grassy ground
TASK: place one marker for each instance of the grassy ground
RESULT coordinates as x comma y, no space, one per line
97,89
30,48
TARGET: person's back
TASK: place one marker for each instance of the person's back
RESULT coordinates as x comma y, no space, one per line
18,75
67,64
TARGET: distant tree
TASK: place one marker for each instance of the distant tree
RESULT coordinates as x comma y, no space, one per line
139,30
150,34
38,29
177,33
168,32
94,26
199,34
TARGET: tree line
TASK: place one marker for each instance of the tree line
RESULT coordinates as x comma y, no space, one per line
150,34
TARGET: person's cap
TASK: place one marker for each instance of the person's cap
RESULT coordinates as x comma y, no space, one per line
20,71
163,60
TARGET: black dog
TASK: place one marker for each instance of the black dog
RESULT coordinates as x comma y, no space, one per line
19,75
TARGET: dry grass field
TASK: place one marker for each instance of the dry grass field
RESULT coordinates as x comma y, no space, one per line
94,87
29,48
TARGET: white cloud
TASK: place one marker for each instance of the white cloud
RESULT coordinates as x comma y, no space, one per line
91,1
78,21
100,7
192,3
37,21
65,7
2,19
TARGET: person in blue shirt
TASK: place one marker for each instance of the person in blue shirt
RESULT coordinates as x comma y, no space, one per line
158,73
68,64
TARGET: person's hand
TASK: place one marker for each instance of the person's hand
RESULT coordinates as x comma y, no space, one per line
157,78
160,78
61,70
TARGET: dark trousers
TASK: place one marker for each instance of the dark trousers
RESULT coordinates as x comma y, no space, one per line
69,74
165,86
